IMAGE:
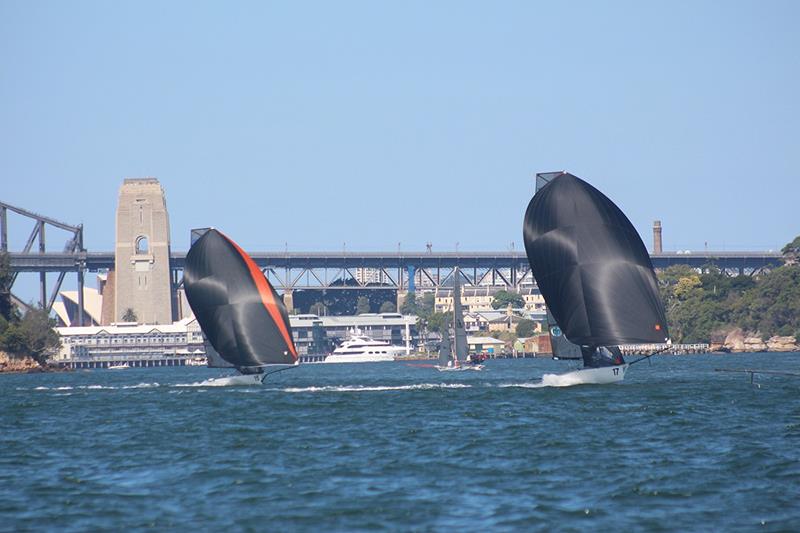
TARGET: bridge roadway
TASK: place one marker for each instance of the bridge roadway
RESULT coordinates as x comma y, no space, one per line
743,262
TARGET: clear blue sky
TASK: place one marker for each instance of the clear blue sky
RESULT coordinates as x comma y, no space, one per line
373,123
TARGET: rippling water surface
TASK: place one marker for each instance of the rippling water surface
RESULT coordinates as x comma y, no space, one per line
677,447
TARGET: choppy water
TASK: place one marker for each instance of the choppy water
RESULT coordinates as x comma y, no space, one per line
677,447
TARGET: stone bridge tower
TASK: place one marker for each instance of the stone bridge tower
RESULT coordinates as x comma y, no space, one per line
142,274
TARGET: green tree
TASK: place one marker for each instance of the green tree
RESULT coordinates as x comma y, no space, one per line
318,308
13,340
409,306
791,252
6,306
425,305
525,328
707,303
130,316
40,335
503,298
686,286
772,306
34,335
388,307
362,305
438,321
508,337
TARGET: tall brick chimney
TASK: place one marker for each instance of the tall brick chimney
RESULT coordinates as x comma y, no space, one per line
657,249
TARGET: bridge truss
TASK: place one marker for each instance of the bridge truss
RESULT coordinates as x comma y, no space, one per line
73,249
342,270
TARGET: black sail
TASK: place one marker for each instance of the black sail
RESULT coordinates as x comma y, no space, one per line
593,269
237,308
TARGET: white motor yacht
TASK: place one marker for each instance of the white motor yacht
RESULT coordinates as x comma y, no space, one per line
363,349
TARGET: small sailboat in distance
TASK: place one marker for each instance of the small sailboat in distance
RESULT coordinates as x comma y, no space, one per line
595,275
245,323
458,360
445,351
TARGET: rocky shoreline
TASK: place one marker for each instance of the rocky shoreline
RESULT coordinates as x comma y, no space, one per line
25,365
737,341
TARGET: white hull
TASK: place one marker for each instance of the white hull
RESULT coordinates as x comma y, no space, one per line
241,380
363,349
358,358
119,367
459,368
587,376
245,380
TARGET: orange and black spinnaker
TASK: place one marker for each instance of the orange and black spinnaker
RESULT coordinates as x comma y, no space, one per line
240,313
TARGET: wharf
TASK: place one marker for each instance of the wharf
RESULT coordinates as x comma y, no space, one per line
312,357
132,362
675,349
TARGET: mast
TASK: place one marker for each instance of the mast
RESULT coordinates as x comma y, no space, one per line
458,319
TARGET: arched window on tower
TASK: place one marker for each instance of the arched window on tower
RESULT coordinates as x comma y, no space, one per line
142,246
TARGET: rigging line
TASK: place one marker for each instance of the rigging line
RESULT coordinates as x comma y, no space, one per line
276,371
662,350
749,371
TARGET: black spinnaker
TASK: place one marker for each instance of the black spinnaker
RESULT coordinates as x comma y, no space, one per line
241,315
593,270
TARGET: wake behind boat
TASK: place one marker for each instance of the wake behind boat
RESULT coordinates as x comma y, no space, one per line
595,275
244,322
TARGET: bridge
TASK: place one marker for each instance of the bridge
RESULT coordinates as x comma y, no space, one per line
288,271
295,270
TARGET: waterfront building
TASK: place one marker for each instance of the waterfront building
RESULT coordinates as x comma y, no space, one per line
136,344
529,346
479,299
181,343
501,320
485,345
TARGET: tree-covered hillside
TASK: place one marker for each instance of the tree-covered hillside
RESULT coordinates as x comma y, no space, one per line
702,306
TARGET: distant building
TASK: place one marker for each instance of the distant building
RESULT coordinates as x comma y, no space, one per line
184,339
67,309
131,342
366,276
501,320
485,345
478,299
527,346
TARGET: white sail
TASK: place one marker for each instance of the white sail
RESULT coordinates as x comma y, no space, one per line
445,351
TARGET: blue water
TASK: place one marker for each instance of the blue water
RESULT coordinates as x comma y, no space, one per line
677,447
